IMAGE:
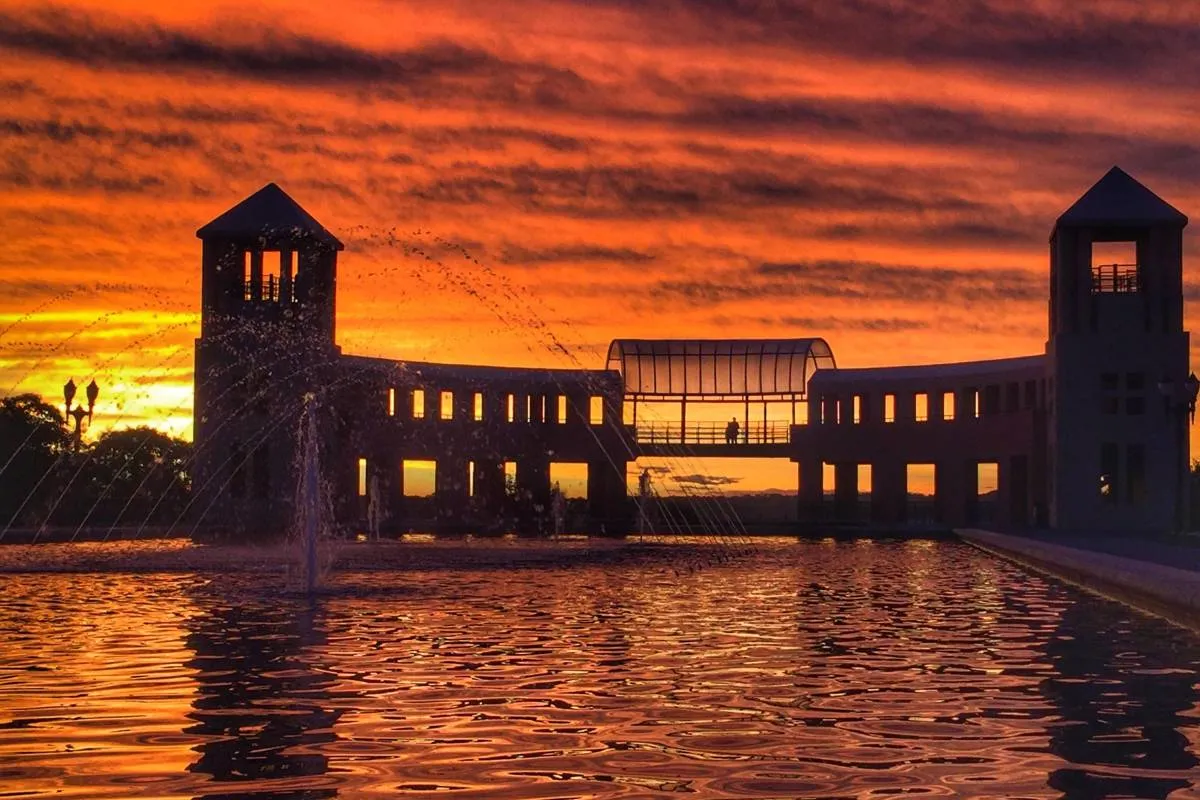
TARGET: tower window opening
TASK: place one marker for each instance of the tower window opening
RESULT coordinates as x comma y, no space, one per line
446,402
477,402
562,409
418,404
858,409
948,406
921,406
511,403
889,408
1115,268
391,403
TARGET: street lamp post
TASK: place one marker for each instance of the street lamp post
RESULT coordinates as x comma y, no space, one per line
78,414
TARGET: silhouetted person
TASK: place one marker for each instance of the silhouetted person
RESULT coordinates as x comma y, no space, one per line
732,430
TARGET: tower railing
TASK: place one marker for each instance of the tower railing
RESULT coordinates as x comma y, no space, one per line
1115,279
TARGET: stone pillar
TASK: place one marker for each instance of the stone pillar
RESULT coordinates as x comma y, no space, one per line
451,490
889,492
608,502
809,494
489,493
387,473
845,493
949,498
533,488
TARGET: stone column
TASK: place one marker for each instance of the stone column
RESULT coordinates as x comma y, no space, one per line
533,487
889,492
608,502
845,493
810,493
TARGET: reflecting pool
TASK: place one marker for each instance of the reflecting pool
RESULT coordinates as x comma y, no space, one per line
787,669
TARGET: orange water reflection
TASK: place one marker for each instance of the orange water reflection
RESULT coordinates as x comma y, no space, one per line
799,669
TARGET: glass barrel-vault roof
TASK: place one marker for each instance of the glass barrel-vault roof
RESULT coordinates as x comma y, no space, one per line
718,369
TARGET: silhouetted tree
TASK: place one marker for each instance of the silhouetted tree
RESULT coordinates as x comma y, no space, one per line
126,477
34,441
133,476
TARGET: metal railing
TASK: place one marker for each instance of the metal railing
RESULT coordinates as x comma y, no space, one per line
1115,279
712,433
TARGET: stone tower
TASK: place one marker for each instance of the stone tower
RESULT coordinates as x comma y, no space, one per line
1117,362
267,329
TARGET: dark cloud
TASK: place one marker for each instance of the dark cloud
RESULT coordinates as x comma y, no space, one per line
71,132
817,325
572,254
857,280
1116,40
273,53
667,190
706,481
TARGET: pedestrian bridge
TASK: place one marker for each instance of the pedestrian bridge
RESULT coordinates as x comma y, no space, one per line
757,439
762,381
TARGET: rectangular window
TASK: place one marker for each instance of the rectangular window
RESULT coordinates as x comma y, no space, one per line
446,402
1110,405
828,478
1135,381
596,410
391,403
1109,479
362,477
529,408
948,400
420,478
1135,467
921,407
889,408
976,400
470,479
1030,394
1012,397
1135,405
511,408
477,402
801,410
510,473
857,409
1110,382
562,409
418,404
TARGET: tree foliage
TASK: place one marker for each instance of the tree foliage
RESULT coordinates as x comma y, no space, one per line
128,477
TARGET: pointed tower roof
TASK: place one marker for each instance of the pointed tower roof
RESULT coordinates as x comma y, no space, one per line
269,213
1118,199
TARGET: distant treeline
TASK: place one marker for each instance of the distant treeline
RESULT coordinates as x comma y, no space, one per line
130,477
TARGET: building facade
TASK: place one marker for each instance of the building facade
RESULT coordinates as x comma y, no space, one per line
267,355
1090,435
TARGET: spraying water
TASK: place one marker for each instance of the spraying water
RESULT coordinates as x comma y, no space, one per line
308,493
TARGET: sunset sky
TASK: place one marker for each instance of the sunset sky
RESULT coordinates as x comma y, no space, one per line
880,173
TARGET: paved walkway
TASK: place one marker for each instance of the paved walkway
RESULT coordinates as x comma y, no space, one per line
1160,576
1183,554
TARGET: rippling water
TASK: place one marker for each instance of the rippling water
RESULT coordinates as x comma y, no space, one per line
798,670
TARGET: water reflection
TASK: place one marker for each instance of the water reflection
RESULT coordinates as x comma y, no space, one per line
808,670
1120,683
262,699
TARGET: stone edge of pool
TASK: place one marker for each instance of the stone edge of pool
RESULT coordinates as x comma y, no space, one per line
1164,591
